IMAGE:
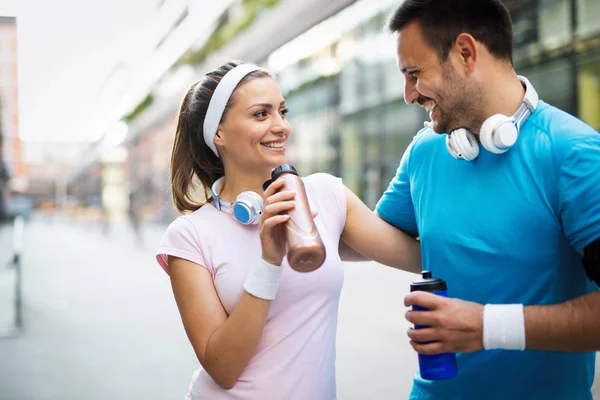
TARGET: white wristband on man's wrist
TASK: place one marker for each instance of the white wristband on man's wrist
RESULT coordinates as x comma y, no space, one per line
263,280
503,327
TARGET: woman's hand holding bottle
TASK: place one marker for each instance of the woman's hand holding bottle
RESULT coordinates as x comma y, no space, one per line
272,224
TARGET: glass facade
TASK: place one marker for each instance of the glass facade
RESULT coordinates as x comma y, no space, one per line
588,23
589,88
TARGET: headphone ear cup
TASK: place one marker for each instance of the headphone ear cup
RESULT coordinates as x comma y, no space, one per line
498,133
462,144
248,207
450,146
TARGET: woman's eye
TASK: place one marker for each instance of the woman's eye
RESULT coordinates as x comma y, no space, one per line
284,112
260,114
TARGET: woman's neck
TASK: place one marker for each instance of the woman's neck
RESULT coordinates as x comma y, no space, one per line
237,182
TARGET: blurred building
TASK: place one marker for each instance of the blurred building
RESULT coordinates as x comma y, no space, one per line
110,171
49,165
12,169
336,66
193,39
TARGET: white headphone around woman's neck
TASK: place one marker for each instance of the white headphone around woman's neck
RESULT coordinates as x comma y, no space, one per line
246,208
498,133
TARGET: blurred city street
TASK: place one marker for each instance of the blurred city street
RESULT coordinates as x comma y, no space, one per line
101,323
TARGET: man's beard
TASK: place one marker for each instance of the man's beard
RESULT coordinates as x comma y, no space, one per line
461,107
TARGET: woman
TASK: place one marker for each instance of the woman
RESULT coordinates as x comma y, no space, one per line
279,341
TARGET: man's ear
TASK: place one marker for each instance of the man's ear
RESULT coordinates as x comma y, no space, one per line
467,50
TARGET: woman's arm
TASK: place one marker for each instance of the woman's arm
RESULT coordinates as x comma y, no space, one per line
369,235
223,344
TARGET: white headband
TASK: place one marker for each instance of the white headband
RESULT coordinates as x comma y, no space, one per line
219,100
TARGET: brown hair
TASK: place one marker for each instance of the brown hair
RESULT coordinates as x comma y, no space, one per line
191,157
441,21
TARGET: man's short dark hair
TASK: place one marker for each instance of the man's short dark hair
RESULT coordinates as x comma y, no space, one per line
441,21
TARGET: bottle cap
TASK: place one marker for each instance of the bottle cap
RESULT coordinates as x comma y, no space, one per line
428,284
283,168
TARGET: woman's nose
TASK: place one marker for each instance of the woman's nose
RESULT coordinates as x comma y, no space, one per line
281,126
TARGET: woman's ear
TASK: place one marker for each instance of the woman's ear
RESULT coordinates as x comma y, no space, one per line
218,139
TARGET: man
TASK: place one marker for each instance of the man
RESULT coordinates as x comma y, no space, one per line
504,211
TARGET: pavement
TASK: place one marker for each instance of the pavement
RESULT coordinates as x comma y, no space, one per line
100,322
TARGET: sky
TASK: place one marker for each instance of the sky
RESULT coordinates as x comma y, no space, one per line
66,49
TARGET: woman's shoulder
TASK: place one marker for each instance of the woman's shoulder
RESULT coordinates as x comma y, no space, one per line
197,220
326,189
187,237
322,179
326,185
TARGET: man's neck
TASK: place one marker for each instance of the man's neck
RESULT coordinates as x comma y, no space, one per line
504,93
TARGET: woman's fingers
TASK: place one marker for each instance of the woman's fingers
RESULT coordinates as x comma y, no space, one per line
280,196
271,222
273,188
276,208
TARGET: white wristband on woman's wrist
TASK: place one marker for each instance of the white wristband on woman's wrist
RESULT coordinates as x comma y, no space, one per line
263,280
503,327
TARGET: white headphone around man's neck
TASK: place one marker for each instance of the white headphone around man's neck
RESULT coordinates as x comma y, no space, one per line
498,133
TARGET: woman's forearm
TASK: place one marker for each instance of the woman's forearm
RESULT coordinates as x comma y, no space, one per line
231,347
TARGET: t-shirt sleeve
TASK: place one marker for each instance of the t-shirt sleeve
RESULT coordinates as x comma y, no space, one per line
579,188
180,240
396,205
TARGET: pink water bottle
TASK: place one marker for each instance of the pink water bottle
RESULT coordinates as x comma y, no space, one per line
306,251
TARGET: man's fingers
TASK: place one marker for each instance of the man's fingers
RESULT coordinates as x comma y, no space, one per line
422,318
428,348
424,335
426,300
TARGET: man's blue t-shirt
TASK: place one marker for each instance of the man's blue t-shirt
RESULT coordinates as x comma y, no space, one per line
506,228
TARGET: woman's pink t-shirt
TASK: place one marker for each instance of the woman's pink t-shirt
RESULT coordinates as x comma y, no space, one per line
295,358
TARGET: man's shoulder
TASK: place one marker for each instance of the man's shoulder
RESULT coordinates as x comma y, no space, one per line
560,133
425,140
560,126
426,135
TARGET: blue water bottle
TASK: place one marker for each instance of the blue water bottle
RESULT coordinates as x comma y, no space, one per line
436,366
